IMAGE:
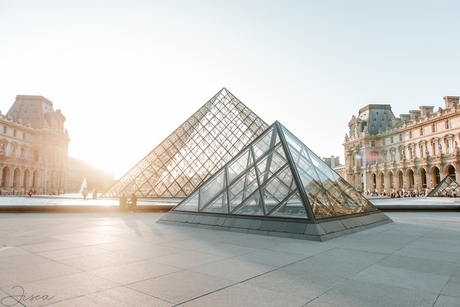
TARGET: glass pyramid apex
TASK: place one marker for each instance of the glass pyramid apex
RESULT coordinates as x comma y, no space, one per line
277,176
198,148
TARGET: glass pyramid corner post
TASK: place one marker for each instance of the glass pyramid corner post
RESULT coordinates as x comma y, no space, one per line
277,176
446,188
193,152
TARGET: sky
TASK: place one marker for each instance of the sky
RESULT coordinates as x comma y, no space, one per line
128,73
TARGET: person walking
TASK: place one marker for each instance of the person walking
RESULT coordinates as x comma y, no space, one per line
132,203
123,201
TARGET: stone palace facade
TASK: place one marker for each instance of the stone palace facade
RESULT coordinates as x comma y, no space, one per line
33,147
412,151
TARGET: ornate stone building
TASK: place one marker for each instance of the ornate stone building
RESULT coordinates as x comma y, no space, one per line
412,151
33,147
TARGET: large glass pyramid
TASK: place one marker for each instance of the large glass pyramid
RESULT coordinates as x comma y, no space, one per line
194,151
446,188
278,179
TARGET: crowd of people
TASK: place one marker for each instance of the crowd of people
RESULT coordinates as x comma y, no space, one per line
399,193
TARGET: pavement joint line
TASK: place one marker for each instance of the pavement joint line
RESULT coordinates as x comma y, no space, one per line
245,280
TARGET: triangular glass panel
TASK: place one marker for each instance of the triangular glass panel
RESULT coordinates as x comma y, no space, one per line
242,188
212,188
265,143
293,207
193,150
239,165
219,205
271,164
252,206
278,188
190,204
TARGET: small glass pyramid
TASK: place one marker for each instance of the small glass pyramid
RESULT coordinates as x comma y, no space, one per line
446,188
194,151
277,176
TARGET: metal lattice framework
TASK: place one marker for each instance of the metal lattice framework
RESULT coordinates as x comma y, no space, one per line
194,151
277,176
446,188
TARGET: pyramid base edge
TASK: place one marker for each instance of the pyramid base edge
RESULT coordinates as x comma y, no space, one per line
322,231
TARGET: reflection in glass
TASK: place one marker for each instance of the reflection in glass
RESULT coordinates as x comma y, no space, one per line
328,193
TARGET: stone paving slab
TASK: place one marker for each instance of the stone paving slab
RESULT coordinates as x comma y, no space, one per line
121,259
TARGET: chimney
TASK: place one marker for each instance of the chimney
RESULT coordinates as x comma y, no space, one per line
426,110
414,114
451,101
404,117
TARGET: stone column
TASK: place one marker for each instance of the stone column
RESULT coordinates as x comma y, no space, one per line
365,178
395,177
377,181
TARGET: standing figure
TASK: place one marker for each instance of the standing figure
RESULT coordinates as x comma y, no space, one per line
84,193
123,201
95,193
132,203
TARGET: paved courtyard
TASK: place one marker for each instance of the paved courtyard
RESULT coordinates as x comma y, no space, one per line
116,259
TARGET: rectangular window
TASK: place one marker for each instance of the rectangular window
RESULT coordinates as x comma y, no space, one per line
410,134
400,137
449,146
435,149
36,153
421,131
433,128
383,141
372,143
391,139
